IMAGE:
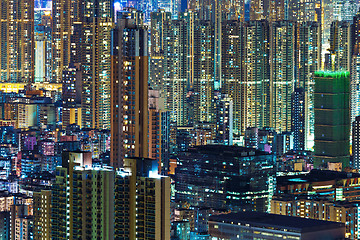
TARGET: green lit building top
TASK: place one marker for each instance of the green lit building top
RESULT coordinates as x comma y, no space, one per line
332,118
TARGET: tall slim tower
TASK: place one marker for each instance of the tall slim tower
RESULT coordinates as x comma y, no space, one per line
142,198
97,25
129,90
17,41
282,77
160,26
356,143
231,44
255,89
203,72
355,70
332,118
340,46
178,67
64,14
310,61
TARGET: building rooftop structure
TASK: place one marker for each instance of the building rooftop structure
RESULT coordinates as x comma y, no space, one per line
316,175
230,151
259,219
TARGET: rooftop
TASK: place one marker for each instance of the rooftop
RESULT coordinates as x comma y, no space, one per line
315,175
260,219
233,151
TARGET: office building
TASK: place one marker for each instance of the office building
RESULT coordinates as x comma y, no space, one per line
333,185
283,143
166,145
257,225
129,90
42,66
322,195
332,118
201,168
17,41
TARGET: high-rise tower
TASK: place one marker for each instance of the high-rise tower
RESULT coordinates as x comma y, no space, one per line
82,34
231,44
17,41
355,69
282,77
129,90
203,86
332,118
160,26
340,46
64,14
310,61
255,89
97,25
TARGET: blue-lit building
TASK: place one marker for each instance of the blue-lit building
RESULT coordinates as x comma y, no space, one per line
230,177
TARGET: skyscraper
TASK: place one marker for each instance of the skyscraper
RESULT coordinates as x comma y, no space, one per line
340,46
231,44
224,120
355,69
129,90
160,25
344,10
298,118
71,207
256,75
142,201
282,73
64,14
356,143
17,41
203,86
154,133
179,64
310,61
303,11
82,34
97,25
332,118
